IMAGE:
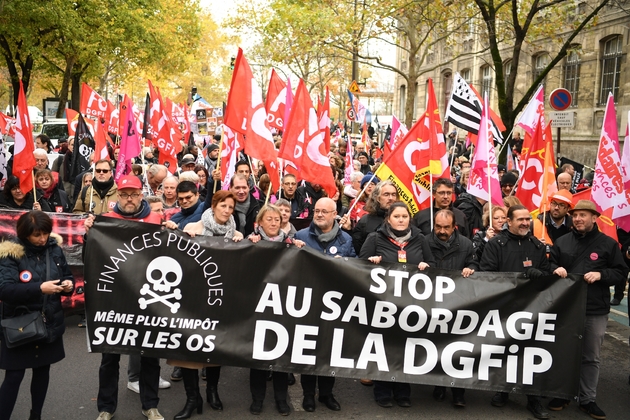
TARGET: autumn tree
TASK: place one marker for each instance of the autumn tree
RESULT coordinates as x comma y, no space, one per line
511,25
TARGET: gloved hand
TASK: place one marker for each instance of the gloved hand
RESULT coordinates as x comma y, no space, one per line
533,273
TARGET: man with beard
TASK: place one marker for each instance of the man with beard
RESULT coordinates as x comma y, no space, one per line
130,206
384,194
557,222
588,251
324,235
190,207
516,250
452,251
102,195
211,159
442,200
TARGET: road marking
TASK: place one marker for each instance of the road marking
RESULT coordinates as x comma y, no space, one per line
617,336
620,313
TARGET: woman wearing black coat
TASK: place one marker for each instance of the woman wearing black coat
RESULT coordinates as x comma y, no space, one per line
56,199
24,282
397,240
12,197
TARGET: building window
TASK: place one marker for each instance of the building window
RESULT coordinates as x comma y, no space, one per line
466,75
572,76
611,66
540,64
486,82
403,100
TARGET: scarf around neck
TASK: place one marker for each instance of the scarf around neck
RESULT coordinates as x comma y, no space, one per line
241,211
328,236
400,236
212,228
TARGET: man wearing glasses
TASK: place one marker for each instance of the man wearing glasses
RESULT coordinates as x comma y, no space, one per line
190,207
102,195
556,221
131,205
442,200
324,235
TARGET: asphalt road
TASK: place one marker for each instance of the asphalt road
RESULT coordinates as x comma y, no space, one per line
74,386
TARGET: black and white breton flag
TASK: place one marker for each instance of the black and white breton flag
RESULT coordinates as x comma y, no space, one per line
464,109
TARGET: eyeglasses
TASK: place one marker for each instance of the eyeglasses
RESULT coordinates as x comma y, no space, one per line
102,171
323,212
126,196
559,205
444,193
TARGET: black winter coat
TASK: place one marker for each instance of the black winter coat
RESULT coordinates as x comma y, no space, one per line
378,244
457,257
580,254
509,252
21,261
369,223
58,202
422,219
473,210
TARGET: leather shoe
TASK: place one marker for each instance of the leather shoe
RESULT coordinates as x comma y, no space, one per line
458,399
403,402
283,407
439,393
330,402
291,379
177,374
385,402
534,405
615,302
367,382
500,399
308,404
256,407
212,396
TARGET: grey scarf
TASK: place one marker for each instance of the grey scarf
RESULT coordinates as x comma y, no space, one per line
212,228
241,211
400,239
282,236
328,236
446,244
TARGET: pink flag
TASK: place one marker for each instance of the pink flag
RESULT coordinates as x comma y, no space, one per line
229,156
130,142
625,158
532,112
484,159
608,184
349,165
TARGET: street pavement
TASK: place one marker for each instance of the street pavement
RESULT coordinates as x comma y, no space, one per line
74,387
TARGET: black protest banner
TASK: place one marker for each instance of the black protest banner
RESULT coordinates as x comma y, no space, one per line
273,306
70,228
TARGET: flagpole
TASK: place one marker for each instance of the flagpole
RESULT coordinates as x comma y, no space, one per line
356,200
92,185
214,188
509,136
34,190
431,196
268,193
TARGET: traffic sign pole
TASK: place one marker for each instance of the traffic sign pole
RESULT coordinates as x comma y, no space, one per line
560,99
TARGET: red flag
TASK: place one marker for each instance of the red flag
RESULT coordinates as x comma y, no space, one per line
305,143
23,159
438,157
177,117
530,184
93,105
113,120
608,184
245,113
276,101
323,117
100,140
5,123
162,131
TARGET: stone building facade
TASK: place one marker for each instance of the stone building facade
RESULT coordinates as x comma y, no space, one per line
595,66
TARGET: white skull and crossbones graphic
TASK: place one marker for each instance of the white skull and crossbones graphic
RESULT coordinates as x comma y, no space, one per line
163,274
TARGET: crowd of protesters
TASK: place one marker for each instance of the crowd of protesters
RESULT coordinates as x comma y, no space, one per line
363,219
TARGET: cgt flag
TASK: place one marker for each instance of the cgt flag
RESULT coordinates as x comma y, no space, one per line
276,102
490,331
23,159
